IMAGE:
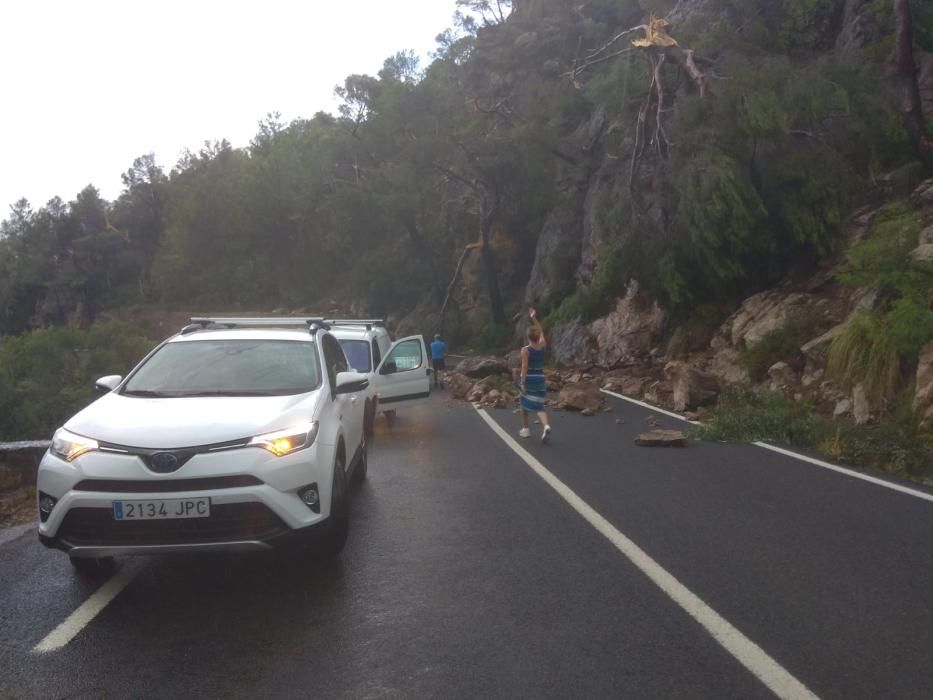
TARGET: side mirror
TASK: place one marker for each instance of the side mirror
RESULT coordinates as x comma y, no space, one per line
389,368
105,385
351,382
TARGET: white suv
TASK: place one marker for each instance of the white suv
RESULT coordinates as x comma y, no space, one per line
398,372
233,435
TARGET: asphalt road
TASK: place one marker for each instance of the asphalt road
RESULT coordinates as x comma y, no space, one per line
466,575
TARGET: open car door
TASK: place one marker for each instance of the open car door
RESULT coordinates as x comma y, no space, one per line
403,375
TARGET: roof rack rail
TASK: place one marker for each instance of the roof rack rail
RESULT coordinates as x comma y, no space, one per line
368,322
313,323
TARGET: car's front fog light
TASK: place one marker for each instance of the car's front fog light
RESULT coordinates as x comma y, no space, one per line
310,497
69,446
46,504
283,442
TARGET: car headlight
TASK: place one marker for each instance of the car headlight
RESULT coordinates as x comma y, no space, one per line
283,442
69,446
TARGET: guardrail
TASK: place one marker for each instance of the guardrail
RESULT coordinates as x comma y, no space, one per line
19,462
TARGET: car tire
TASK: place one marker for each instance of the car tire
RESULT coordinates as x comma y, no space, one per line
369,419
334,535
362,467
92,567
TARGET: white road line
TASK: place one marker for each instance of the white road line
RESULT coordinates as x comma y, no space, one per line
796,455
648,406
749,654
848,472
80,618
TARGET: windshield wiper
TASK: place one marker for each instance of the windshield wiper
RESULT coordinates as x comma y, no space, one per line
228,392
145,393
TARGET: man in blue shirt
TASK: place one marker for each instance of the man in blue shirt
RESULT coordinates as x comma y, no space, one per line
438,355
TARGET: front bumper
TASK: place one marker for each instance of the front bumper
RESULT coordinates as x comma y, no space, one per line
254,501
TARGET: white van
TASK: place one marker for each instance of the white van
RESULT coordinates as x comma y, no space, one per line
398,372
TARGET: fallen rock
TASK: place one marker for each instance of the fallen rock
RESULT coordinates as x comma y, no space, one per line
588,412
458,385
861,407
662,438
782,377
482,367
581,397
691,388
843,408
923,398
629,386
660,393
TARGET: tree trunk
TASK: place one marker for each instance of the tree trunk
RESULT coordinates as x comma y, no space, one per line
909,87
488,258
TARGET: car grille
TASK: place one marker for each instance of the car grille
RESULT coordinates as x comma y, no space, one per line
166,485
231,522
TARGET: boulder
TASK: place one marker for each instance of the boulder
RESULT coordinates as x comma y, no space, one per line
923,253
861,407
481,367
843,408
923,398
690,387
579,397
725,365
817,350
763,313
514,360
783,377
629,386
662,438
923,195
458,385
660,393
627,334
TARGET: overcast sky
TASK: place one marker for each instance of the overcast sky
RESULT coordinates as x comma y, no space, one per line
89,85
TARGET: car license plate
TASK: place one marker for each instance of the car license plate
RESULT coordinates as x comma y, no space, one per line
162,509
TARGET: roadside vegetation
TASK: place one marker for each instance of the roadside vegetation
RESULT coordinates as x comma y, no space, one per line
47,375
895,446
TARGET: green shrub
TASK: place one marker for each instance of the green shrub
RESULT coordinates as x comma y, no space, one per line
746,415
743,415
891,448
784,343
865,353
47,375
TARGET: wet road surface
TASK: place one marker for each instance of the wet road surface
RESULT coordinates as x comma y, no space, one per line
467,575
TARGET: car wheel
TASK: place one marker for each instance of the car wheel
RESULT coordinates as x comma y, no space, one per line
337,526
362,466
369,419
390,417
92,567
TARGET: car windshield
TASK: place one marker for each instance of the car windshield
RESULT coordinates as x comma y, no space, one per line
358,355
228,368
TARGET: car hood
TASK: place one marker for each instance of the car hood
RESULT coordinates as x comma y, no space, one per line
188,422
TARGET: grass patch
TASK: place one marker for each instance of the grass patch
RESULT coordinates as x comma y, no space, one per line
783,344
744,415
895,447
865,352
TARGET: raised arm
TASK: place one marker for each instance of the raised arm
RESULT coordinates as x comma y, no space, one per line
536,324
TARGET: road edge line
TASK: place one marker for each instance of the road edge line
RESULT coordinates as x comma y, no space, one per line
774,676
73,624
795,455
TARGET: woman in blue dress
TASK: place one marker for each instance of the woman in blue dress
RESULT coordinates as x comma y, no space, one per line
533,383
